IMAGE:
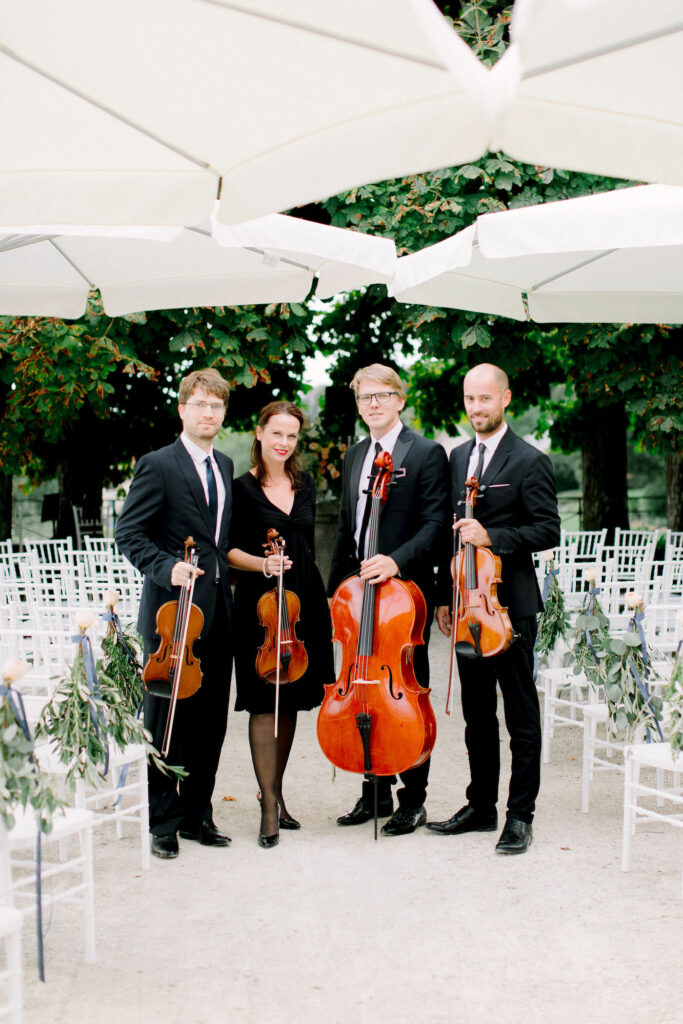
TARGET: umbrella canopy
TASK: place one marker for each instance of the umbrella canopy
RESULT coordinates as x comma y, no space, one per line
615,257
596,86
143,111
271,259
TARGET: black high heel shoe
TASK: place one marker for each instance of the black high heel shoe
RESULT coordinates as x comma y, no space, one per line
268,842
285,821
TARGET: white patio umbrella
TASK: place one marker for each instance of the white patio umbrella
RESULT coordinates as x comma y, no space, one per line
615,257
595,86
271,259
143,111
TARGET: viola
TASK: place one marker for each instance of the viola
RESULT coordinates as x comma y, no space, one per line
481,627
173,671
282,657
376,718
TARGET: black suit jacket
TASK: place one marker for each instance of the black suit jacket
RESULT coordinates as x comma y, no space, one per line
165,505
411,523
519,511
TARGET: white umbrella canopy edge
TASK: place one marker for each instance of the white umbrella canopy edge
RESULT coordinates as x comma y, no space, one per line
176,77
594,86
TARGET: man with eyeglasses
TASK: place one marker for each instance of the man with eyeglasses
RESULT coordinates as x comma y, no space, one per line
410,527
185,490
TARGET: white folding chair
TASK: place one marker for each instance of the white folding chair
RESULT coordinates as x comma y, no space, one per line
11,1003
18,865
667,788
673,549
564,696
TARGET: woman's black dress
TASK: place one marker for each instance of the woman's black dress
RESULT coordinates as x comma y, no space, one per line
253,515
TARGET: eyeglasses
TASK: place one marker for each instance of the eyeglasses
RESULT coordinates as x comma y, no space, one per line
383,397
202,406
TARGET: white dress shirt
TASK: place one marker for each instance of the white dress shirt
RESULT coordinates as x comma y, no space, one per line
490,443
387,442
198,456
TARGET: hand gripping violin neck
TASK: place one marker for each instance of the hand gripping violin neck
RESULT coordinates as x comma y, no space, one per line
173,671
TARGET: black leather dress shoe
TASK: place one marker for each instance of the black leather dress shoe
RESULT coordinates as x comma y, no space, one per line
205,833
403,821
289,823
467,819
165,847
364,811
516,837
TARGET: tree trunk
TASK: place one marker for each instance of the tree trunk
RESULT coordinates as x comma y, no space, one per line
674,492
5,507
605,488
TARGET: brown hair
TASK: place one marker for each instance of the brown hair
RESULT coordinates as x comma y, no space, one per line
384,374
208,379
292,468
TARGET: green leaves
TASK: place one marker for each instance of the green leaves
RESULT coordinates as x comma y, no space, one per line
22,784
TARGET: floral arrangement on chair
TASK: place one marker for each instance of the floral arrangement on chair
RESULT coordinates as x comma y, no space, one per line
591,635
22,783
553,622
87,711
673,699
628,674
121,653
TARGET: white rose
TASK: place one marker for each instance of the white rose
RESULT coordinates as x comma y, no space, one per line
13,669
633,600
111,598
84,618
547,556
591,573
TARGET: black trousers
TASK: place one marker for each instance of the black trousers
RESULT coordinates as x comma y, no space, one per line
198,732
415,780
514,671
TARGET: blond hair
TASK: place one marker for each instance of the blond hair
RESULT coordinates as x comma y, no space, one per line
384,374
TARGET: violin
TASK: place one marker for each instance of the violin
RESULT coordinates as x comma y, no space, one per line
376,719
481,627
282,657
278,611
173,671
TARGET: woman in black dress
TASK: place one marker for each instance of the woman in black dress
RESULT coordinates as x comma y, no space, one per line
274,493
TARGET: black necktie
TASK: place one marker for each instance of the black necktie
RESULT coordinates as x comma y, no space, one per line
480,464
213,492
368,505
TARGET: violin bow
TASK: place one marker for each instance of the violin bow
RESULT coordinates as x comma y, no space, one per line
180,660
280,589
454,616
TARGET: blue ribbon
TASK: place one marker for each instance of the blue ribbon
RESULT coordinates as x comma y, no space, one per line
16,703
93,685
590,601
636,622
547,581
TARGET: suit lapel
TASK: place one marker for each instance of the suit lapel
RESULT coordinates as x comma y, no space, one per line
225,470
191,476
354,479
500,457
404,442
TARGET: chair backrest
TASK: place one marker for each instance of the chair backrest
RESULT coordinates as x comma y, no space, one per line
586,545
57,550
631,549
674,545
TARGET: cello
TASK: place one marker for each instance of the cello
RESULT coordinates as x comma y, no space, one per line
376,719
282,657
481,627
173,671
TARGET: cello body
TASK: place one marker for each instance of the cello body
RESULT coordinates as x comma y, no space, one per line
376,718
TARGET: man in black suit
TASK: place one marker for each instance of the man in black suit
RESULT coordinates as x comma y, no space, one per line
515,516
179,491
410,526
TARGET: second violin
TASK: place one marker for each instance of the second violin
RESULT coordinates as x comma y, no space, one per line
282,656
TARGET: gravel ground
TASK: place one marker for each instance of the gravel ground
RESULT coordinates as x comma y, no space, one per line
331,926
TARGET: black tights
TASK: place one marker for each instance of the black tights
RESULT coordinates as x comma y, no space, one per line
270,757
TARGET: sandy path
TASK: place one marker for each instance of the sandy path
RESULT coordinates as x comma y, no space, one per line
332,927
